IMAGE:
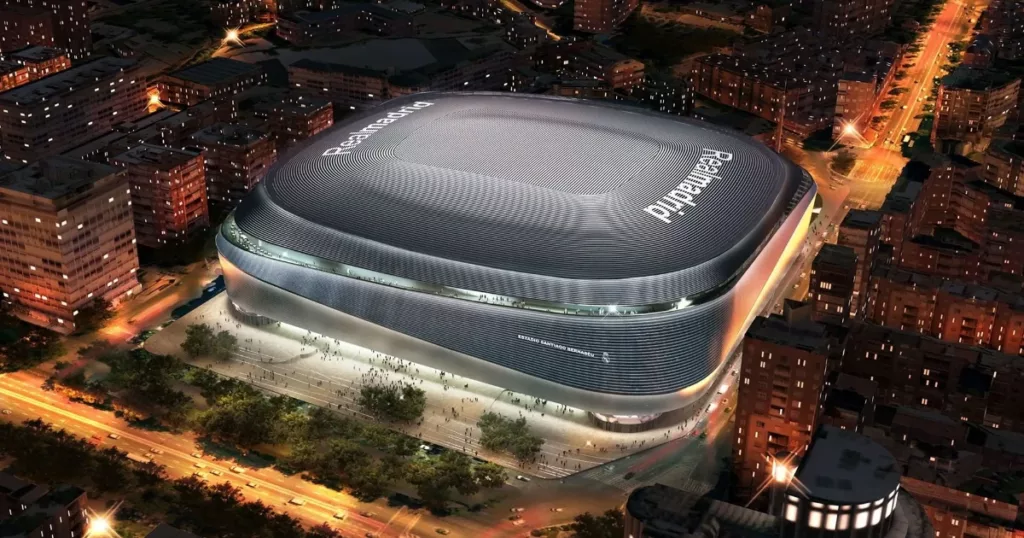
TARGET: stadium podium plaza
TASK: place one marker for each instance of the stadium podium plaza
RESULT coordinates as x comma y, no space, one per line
591,254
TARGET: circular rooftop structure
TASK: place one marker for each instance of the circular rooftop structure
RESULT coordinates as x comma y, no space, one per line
536,197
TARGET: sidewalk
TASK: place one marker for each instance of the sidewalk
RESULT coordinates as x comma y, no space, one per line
327,372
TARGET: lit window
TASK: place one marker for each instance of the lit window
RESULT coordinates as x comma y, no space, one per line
791,512
861,520
844,522
814,519
830,521
876,516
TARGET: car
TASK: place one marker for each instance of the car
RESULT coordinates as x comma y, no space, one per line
518,522
114,436
197,455
215,472
6,411
237,469
297,501
200,475
156,450
340,515
252,485
371,535
559,509
523,478
366,513
517,509
628,475
442,531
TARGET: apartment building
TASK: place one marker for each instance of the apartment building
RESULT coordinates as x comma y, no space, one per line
58,112
842,21
30,64
745,84
364,74
30,510
785,360
306,28
1003,166
860,231
293,117
972,103
67,238
237,158
616,70
168,193
214,78
833,277
60,24
601,16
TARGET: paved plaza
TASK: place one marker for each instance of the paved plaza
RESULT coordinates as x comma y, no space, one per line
291,361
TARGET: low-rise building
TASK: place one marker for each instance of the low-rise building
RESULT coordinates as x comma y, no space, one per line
214,78
168,193
66,238
30,510
832,282
305,28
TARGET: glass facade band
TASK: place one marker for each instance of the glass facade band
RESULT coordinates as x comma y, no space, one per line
233,233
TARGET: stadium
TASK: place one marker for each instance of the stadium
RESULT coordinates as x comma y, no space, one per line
595,255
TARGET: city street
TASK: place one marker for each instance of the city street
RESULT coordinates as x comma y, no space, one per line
21,394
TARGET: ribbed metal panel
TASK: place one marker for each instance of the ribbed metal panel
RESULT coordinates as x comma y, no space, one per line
526,197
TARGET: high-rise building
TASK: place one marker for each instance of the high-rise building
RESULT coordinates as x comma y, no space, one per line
833,274
601,16
855,100
61,24
237,158
168,193
841,21
971,105
785,361
214,78
58,112
860,231
67,238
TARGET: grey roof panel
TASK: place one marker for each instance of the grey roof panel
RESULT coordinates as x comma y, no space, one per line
526,196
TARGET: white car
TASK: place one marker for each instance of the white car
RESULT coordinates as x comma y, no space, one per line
517,509
197,455
6,411
215,472
252,485
237,469
518,522
199,465
523,478
340,515
114,436
156,450
297,501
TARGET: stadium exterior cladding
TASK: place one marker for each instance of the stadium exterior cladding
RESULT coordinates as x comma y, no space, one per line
590,254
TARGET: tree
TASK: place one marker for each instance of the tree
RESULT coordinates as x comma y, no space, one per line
436,478
323,530
607,525
93,316
244,417
224,345
29,345
843,162
198,340
404,404
888,104
489,475
503,434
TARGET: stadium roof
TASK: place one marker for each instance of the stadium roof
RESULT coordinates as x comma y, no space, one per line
530,197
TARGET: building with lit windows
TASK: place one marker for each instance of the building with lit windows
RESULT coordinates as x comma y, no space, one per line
971,105
833,273
30,510
604,257
67,238
601,16
58,112
214,78
60,24
781,386
237,158
30,64
168,193
847,485
843,21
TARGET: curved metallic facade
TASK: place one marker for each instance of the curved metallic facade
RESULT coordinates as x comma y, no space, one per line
410,301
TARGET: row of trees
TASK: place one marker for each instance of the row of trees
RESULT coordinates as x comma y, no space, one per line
513,436
188,503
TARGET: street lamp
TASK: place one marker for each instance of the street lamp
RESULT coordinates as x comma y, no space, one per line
849,129
781,472
232,36
99,526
